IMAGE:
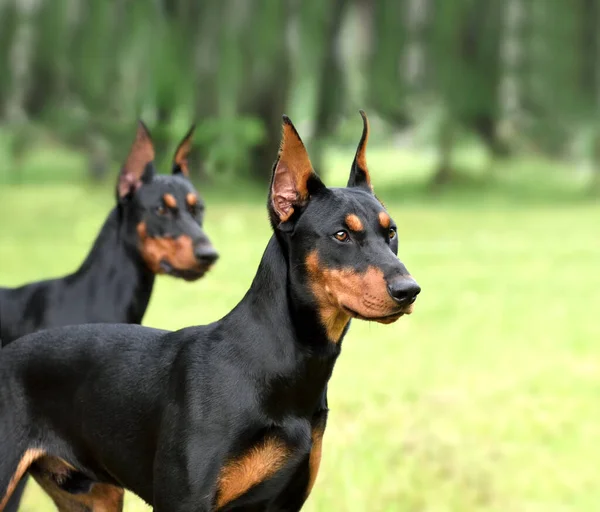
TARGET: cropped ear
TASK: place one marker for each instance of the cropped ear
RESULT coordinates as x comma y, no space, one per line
136,168
359,174
180,163
293,176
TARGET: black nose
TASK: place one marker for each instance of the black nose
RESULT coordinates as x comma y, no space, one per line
403,290
206,254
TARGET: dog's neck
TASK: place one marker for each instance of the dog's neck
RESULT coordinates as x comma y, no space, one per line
287,345
114,272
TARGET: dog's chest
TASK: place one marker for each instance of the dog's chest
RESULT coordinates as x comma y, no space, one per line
280,467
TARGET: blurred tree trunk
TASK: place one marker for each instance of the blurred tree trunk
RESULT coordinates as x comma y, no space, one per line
387,85
330,88
513,26
20,58
204,22
480,52
8,29
590,77
415,57
266,78
445,144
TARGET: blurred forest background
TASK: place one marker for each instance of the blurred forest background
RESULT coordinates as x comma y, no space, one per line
510,77
485,148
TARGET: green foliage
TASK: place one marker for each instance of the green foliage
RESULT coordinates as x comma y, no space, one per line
84,71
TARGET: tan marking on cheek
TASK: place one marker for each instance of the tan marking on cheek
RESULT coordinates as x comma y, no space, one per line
338,290
333,318
28,458
170,200
191,199
384,220
314,459
178,252
257,465
354,223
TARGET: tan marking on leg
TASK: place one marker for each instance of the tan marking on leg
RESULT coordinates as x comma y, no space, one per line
384,220
255,466
354,223
28,458
170,200
101,498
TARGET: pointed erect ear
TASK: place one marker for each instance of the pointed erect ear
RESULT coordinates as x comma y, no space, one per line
359,174
180,163
293,176
136,167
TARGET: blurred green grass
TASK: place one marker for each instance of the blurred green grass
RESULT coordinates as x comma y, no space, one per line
485,399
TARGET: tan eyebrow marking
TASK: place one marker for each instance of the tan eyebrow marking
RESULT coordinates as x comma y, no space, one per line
384,220
354,223
191,199
170,200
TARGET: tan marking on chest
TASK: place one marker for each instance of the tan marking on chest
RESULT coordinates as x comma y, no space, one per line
28,458
314,459
258,464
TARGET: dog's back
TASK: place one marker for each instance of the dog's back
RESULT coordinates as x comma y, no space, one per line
93,369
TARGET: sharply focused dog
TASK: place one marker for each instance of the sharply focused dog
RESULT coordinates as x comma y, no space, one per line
155,227
228,416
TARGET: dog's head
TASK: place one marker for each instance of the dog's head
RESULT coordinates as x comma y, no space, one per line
342,244
167,210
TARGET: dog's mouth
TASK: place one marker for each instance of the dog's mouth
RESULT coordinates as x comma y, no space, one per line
187,274
385,319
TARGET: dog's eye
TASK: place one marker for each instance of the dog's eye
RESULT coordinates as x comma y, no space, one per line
392,233
193,210
341,235
161,210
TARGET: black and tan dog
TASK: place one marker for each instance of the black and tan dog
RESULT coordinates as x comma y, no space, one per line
156,227
228,416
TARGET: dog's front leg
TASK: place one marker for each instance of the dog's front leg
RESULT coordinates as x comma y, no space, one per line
185,477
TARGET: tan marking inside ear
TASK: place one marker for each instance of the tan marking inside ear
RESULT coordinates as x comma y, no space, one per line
360,159
191,199
384,220
178,252
291,174
101,498
183,152
28,458
170,200
258,464
314,459
354,222
361,156
140,155
339,290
